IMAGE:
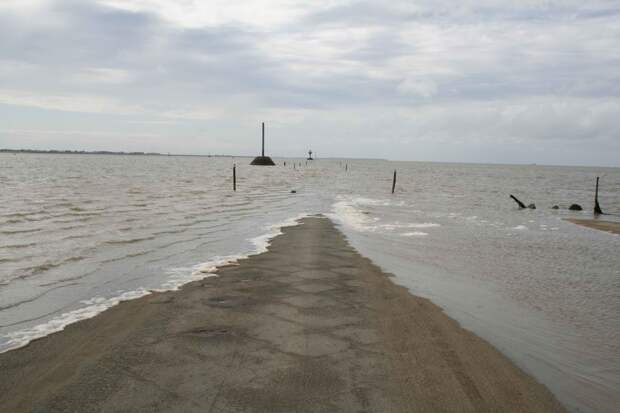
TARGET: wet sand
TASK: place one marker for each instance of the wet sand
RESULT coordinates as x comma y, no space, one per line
608,226
310,326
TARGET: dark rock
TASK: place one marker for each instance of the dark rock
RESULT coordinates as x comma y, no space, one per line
531,206
575,207
555,207
293,192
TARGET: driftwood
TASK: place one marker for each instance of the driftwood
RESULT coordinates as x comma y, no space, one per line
521,204
597,207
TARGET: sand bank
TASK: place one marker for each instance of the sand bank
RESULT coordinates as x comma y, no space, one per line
609,226
310,326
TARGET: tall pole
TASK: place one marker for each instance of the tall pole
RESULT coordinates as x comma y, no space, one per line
263,152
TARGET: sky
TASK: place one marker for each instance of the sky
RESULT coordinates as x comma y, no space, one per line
533,81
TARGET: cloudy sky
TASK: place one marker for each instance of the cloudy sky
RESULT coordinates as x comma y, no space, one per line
470,80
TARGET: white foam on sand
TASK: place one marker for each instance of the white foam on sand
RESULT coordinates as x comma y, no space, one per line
181,276
414,234
423,225
176,279
520,227
400,225
93,307
370,201
348,213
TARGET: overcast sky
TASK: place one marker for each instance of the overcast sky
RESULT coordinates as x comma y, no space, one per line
469,80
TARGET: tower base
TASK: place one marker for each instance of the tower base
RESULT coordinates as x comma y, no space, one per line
262,160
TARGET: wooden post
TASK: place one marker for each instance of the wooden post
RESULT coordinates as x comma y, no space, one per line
597,207
394,181
234,177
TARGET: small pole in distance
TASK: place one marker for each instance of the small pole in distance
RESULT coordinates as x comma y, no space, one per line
234,177
394,181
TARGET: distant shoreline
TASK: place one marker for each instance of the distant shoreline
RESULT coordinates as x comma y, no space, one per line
70,152
301,157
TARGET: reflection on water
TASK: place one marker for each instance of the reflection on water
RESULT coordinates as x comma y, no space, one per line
79,233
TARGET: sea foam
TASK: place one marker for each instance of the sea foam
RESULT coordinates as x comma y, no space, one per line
349,213
414,234
94,306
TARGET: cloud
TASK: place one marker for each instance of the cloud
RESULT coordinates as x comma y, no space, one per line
408,73
196,14
420,87
69,103
22,6
103,75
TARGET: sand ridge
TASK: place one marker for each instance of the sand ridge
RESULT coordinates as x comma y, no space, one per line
601,225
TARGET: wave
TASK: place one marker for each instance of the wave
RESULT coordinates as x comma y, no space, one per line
29,300
130,241
414,234
76,236
181,276
23,214
15,259
424,225
18,246
13,221
38,269
93,307
169,231
176,279
20,231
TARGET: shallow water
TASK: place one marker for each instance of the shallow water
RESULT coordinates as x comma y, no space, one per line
79,233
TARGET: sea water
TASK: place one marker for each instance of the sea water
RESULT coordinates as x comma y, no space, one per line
81,233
